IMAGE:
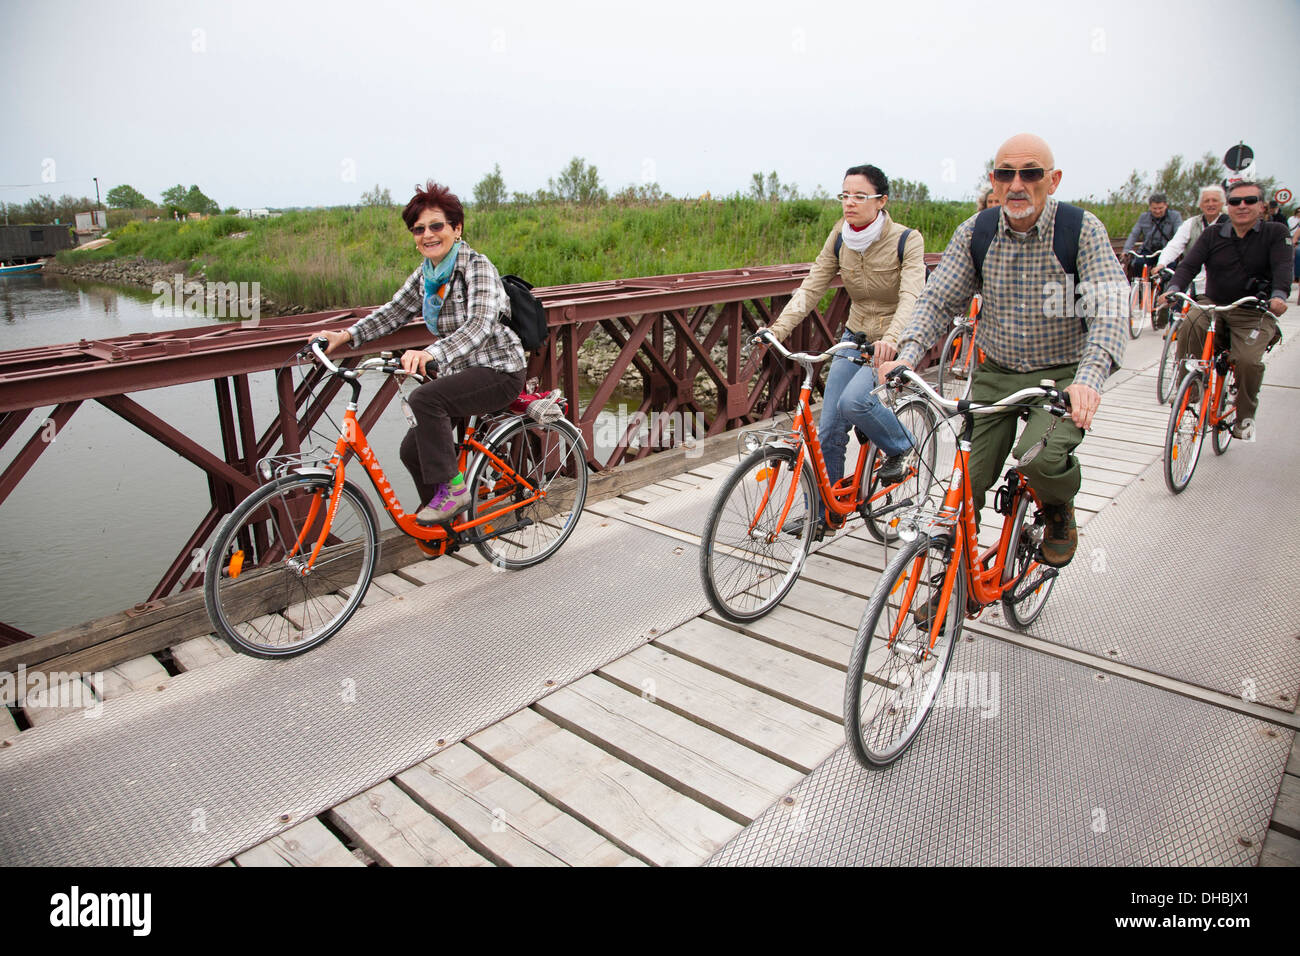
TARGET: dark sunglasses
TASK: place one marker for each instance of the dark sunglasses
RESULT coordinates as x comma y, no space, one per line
1248,200
1032,174
433,227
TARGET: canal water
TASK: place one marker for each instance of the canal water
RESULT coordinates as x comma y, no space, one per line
93,525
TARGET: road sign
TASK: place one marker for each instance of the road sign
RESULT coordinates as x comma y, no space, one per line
1283,196
1239,157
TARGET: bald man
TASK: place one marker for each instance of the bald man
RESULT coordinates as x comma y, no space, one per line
1030,328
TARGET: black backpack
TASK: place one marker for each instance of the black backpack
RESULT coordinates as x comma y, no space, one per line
1065,240
527,317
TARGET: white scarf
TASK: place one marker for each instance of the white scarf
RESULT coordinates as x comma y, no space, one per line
858,240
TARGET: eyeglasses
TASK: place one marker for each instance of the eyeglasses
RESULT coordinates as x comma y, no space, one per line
859,197
1248,200
1031,174
432,227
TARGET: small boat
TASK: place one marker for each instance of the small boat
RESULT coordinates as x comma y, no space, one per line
22,268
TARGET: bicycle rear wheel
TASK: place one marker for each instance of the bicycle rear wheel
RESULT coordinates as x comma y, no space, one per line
1184,434
894,675
1034,580
260,595
1166,374
749,557
549,457
1227,413
957,362
919,419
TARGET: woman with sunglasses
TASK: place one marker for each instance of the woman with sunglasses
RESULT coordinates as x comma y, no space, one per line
480,364
883,266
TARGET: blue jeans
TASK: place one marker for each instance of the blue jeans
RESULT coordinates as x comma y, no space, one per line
848,403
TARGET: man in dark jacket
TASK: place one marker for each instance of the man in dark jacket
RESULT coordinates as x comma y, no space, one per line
1156,227
1244,256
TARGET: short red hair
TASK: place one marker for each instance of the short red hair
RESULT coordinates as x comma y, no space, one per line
434,196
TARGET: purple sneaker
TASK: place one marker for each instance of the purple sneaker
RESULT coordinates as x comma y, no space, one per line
447,502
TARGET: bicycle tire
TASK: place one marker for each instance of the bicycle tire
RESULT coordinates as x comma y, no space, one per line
1135,312
747,563
919,418
257,600
891,687
957,361
1227,413
1022,550
1184,434
549,457
1166,378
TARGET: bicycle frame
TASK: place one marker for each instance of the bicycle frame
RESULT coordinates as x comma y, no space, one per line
984,572
432,539
842,498
971,322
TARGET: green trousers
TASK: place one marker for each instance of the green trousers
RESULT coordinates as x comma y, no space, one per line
1054,473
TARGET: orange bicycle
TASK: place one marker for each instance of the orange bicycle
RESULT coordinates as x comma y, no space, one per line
959,356
1206,399
1144,292
938,578
291,564
764,519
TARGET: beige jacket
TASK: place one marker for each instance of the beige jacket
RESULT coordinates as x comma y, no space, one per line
883,293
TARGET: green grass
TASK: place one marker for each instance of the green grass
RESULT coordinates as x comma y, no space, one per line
331,258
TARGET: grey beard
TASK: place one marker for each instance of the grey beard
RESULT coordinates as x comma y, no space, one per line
1018,215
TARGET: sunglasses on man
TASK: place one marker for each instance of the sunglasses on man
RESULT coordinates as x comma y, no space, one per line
1248,200
1032,174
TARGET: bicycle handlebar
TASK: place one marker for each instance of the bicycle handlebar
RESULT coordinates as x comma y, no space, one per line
389,366
765,335
1058,401
1245,301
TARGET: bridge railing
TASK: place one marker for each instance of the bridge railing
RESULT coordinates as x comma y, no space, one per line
680,342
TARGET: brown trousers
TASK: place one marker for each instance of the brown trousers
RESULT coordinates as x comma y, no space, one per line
1249,332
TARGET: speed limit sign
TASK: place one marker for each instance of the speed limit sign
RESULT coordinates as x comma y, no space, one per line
1283,196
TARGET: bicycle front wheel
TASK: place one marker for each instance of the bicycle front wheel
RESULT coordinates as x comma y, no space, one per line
1136,309
1227,413
919,419
547,456
1184,434
749,557
1166,375
264,593
1034,580
957,362
894,673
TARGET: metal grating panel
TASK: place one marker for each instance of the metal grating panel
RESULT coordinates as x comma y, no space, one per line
1066,769
206,768
1203,586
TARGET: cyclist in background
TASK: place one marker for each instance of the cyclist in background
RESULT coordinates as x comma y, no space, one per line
1211,205
883,266
1245,256
1156,227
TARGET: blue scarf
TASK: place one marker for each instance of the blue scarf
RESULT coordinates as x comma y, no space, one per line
436,285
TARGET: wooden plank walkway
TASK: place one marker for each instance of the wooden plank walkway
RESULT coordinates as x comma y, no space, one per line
663,755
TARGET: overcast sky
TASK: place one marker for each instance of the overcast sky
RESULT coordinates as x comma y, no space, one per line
276,103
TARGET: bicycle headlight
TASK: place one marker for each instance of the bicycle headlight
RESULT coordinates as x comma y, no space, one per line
907,530
265,469
751,442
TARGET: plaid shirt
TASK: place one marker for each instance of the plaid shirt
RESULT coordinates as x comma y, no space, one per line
471,334
1028,319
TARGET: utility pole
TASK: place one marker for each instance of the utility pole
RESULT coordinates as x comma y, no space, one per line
96,179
